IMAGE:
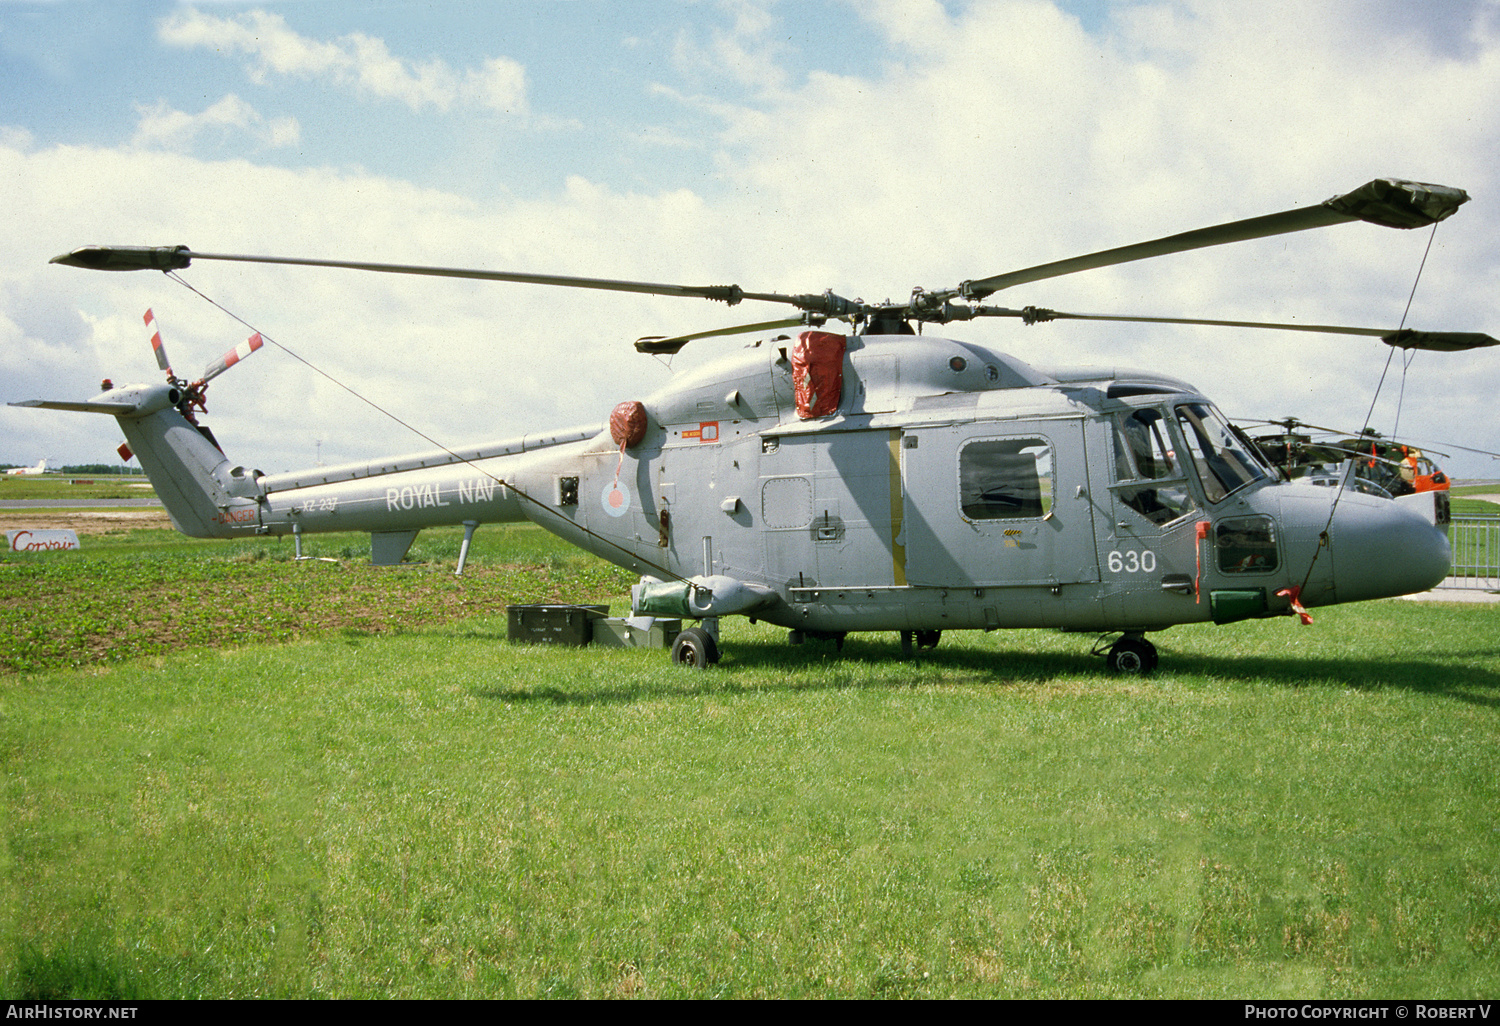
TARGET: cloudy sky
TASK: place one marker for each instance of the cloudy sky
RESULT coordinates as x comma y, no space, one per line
868,147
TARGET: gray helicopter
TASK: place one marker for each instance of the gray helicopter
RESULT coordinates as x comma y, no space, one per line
879,480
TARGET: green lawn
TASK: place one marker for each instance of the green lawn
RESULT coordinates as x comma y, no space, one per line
49,487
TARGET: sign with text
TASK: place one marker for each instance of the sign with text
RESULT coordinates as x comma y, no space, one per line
40,541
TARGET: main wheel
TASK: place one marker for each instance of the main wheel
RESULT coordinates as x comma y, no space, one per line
695,647
1131,657
928,639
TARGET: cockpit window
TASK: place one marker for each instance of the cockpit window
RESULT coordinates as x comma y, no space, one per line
1143,453
1224,464
1142,447
1246,545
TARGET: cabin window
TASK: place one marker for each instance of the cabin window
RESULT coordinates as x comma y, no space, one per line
1005,479
1246,545
1143,453
1224,464
786,502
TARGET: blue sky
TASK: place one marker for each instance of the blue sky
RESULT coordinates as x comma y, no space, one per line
865,147
611,91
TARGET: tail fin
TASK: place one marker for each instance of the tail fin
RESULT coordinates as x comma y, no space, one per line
205,495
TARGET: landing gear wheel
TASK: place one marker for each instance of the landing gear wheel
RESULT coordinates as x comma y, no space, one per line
1131,657
695,647
928,639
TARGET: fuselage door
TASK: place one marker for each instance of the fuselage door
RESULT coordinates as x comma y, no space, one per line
997,503
1148,521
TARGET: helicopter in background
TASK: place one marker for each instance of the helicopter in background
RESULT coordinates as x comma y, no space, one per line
1381,465
875,480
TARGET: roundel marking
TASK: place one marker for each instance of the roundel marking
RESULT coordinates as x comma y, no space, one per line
615,499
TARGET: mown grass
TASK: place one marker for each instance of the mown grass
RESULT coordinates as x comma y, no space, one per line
1281,811
1474,508
1464,504
125,486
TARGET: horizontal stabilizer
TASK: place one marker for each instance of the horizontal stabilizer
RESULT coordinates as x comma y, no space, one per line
52,404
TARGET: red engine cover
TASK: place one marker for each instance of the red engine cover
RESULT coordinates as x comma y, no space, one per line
817,373
627,424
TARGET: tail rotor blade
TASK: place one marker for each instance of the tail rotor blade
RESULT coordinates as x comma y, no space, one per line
157,347
233,357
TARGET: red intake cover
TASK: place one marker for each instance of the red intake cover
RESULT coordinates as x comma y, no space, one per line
817,373
627,424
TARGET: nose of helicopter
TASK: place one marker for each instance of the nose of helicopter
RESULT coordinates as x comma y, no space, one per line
1382,549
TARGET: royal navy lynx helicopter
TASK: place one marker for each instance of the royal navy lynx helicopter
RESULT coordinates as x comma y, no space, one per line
878,480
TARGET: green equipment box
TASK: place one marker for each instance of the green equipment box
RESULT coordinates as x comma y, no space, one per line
553,625
616,632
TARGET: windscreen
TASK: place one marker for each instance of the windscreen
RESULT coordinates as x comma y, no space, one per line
1224,464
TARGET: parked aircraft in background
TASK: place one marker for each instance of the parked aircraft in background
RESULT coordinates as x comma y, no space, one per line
40,468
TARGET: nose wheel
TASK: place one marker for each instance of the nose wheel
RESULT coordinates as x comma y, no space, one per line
1131,656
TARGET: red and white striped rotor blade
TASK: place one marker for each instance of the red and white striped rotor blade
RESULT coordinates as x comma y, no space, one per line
233,357
156,345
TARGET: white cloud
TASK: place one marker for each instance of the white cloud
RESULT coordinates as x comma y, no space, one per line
536,358
746,53
162,126
499,85
355,61
921,25
14,137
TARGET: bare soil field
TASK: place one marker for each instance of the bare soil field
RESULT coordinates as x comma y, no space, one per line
84,521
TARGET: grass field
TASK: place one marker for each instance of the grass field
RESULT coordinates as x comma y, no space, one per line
125,486
233,775
1465,502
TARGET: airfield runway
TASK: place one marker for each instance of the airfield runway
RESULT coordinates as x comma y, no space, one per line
73,503
86,516
1454,589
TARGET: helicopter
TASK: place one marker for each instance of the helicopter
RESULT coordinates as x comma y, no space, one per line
873,480
1381,465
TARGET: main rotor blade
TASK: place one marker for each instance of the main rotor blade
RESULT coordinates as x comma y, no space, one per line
661,344
1391,461
1292,424
1406,338
171,258
1415,443
175,258
1453,445
1438,341
1390,202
